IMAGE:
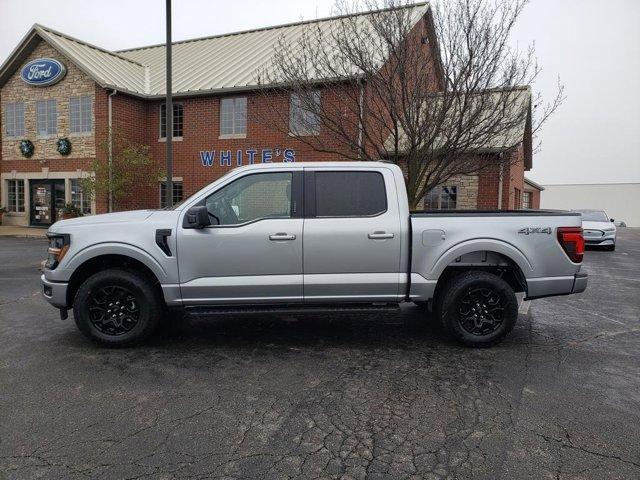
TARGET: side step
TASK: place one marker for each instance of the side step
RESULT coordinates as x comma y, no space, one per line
291,308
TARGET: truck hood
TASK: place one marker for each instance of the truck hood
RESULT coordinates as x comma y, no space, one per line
598,226
133,216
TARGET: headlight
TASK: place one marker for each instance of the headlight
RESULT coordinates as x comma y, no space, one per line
58,247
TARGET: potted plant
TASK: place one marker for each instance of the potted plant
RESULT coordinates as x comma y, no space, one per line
2,211
70,211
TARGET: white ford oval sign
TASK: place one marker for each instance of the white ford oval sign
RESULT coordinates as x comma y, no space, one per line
43,72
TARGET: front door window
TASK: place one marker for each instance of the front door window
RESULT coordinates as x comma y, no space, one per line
47,201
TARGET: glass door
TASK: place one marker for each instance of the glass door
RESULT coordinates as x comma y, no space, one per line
47,200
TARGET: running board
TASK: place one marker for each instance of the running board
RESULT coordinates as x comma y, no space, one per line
291,308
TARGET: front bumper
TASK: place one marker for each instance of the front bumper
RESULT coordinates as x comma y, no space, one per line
55,292
594,238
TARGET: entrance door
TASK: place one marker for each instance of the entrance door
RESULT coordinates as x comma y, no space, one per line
252,252
47,201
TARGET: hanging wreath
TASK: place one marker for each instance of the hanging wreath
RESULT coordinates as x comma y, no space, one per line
27,148
64,146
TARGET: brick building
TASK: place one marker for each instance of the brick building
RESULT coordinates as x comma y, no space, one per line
56,87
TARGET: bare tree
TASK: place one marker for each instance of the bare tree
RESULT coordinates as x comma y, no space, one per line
436,90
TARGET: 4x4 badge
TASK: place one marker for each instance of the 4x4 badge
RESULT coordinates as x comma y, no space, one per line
530,230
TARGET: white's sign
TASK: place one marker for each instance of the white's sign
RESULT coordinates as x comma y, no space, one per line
43,72
238,158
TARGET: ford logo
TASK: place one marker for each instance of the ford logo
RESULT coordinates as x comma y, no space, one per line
43,72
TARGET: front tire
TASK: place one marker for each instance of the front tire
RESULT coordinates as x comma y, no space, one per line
117,308
478,309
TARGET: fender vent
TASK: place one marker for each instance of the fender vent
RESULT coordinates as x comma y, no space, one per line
161,240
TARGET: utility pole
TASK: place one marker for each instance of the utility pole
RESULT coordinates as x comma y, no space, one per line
169,113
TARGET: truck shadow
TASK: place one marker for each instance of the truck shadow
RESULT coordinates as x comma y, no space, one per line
363,330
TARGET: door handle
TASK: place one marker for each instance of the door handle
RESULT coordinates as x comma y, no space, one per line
380,235
278,237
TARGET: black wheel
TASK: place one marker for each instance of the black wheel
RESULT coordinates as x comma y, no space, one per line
117,308
611,248
478,308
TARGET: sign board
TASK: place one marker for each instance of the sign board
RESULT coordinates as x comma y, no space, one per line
238,158
43,72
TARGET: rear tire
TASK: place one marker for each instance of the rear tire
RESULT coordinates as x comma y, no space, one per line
478,309
117,308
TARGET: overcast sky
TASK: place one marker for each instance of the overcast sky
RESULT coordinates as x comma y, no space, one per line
594,47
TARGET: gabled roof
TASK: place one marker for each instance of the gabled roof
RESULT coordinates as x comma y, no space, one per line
533,184
203,65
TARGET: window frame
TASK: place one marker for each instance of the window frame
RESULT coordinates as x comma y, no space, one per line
296,198
80,99
174,183
174,106
13,123
527,205
234,134
47,102
82,197
16,182
310,200
439,196
297,132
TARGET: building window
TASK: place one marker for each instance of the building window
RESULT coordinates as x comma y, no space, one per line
15,195
177,193
233,116
47,117
526,200
80,118
14,119
178,120
441,198
303,113
517,199
79,199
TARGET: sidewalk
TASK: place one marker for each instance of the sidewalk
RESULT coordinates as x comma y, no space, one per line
23,232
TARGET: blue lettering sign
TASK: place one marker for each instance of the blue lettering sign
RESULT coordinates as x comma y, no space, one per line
43,72
252,156
267,155
239,158
207,157
289,155
225,158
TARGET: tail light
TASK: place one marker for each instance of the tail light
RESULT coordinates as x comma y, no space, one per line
572,242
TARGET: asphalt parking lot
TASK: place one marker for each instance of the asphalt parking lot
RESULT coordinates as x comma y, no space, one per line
366,396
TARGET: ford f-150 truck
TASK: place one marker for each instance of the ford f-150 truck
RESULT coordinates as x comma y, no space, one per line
308,236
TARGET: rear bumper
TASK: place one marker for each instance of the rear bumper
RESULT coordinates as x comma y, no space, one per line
55,292
555,286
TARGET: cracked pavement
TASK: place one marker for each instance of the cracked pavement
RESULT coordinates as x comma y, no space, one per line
380,396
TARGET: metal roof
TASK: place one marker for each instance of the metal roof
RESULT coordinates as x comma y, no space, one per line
203,65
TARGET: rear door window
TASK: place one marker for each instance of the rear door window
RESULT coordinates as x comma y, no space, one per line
350,194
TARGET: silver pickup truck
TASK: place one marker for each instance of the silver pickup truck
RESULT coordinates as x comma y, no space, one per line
308,237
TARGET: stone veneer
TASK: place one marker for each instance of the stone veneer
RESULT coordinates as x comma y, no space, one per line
74,83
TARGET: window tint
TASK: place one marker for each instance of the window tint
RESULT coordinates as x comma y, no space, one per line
178,120
350,194
233,116
263,195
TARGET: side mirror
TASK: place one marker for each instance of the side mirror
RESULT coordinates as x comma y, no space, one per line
612,220
196,217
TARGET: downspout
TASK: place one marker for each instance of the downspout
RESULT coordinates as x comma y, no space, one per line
360,115
500,181
110,151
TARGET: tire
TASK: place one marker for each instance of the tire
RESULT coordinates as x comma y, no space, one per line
130,298
490,295
611,248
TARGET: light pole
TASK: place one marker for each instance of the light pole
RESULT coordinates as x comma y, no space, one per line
169,113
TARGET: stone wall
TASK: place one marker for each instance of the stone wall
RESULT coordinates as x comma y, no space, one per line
74,83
